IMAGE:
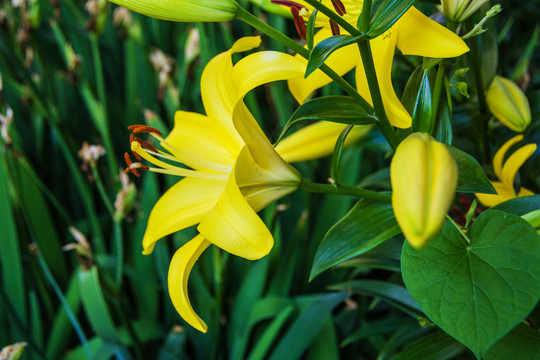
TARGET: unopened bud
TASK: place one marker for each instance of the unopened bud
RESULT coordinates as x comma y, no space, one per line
424,179
508,104
460,10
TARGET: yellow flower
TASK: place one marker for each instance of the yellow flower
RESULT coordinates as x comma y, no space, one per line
183,10
507,173
424,179
233,169
508,103
413,34
460,10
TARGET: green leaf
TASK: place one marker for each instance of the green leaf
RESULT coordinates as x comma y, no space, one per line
520,206
471,176
310,29
339,109
368,224
422,117
377,328
394,294
338,150
306,327
435,346
268,336
477,292
385,13
325,48
523,342
461,88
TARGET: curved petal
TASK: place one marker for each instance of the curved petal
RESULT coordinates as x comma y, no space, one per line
194,140
219,95
316,140
503,194
419,35
501,153
263,67
235,227
514,162
341,61
383,49
183,205
179,270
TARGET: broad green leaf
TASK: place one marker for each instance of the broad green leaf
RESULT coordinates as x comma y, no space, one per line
379,327
477,292
435,346
338,150
265,341
523,342
325,345
471,176
422,115
385,13
410,93
336,108
306,327
395,294
368,224
325,48
443,129
520,206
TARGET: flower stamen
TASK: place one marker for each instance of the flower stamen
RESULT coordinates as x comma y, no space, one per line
144,129
339,7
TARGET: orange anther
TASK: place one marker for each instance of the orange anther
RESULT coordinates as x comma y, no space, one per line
334,27
147,129
145,144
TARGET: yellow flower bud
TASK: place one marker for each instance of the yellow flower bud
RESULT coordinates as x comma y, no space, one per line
183,10
460,10
508,104
424,179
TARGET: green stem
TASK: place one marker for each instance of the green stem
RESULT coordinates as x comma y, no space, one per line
101,189
365,16
251,20
463,235
334,16
339,189
369,66
436,99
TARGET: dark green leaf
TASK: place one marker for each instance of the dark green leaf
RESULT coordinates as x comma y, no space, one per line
385,13
435,346
523,342
422,117
379,327
368,224
520,206
324,49
306,327
336,157
310,29
471,176
339,109
477,292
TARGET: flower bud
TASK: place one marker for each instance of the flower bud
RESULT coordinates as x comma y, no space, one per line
460,10
183,10
508,104
424,179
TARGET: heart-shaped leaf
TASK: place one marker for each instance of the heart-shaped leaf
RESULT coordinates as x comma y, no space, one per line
477,292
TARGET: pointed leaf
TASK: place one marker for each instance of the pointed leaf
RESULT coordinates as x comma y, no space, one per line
385,13
477,292
325,48
471,176
422,119
523,342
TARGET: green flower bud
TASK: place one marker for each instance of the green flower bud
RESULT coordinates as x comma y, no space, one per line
424,179
508,104
183,10
460,10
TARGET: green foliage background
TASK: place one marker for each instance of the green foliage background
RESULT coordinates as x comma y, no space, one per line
69,78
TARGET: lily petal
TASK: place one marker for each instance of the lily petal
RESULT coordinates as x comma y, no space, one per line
195,135
417,34
501,153
341,61
383,48
179,270
219,95
264,67
514,162
504,193
317,140
183,205
235,227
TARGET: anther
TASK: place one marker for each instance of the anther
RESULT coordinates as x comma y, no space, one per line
334,27
339,7
287,3
299,22
145,129
145,144
129,163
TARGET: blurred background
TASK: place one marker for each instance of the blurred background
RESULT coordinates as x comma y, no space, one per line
74,284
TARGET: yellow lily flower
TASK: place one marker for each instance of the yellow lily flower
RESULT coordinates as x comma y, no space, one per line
183,10
234,170
507,173
424,179
413,34
508,103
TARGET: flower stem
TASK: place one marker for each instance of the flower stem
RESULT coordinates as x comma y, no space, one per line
255,22
463,235
339,189
383,123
